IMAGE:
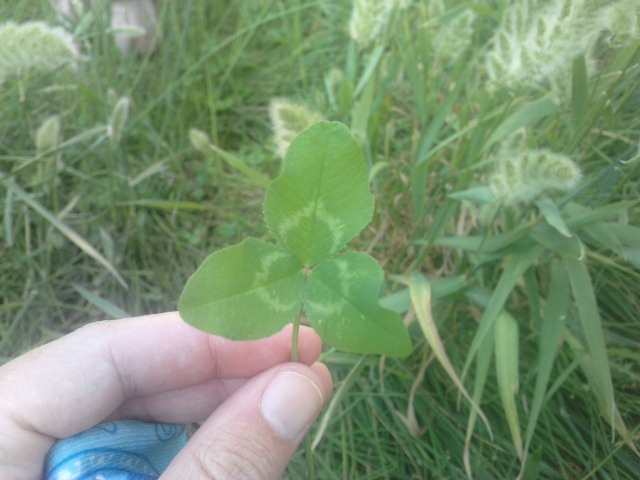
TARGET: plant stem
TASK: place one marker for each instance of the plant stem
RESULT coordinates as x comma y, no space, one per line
308,453
294,339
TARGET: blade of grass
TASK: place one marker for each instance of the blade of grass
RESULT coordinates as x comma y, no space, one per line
420,291
525,116
550,336
8,333
598,371
515,267
8,218
105,306
400,301
552,215
338,395
167,204
410,420
506,344
421,164
485,352
486,244
579,91
374,59
63,228
252,174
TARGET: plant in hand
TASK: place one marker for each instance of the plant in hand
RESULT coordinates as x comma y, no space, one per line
317,205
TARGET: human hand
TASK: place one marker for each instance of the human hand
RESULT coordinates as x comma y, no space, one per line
256,407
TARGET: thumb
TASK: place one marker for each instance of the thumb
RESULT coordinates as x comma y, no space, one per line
255,432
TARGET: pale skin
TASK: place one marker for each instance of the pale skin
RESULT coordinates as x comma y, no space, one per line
256,405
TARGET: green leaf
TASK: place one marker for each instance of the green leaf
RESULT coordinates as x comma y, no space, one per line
515,267
550,238
552,327
596,349
322,199
524,117
420,291
248,291
552,215
485,353
342,304
506,348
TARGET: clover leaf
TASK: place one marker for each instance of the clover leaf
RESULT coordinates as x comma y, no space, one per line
319,203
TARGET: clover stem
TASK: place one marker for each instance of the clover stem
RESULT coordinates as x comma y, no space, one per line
294,339
294,358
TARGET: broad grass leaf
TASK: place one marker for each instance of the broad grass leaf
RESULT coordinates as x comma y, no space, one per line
549,237
506,350
528,115
485,244
596,360
342,304
552,215
515,266
420,291
244,292
579,215
558,302
400,301
337,397
485,353
621,238
322,199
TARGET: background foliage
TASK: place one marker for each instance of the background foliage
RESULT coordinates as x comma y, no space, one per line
531,305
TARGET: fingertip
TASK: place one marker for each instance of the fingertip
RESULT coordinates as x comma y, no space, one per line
324,375
256,431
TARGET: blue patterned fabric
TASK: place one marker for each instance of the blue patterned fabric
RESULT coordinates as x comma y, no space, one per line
123,450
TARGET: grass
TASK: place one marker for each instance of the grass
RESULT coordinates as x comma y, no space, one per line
150,208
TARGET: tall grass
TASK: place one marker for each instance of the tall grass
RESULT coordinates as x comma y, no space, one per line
506,210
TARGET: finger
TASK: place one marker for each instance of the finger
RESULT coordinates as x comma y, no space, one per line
257,430
72,384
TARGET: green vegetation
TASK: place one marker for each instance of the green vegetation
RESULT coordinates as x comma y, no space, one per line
506,181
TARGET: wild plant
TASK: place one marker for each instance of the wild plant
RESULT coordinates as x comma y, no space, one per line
34,48
288,119
537,41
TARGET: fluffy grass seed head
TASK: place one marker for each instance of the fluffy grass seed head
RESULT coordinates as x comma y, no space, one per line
452,33
537,40
48,135
288,119
623,22
34,46
368,19
69,10
117,121
521,175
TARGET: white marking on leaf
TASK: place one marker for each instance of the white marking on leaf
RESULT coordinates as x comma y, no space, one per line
315,211
268,295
